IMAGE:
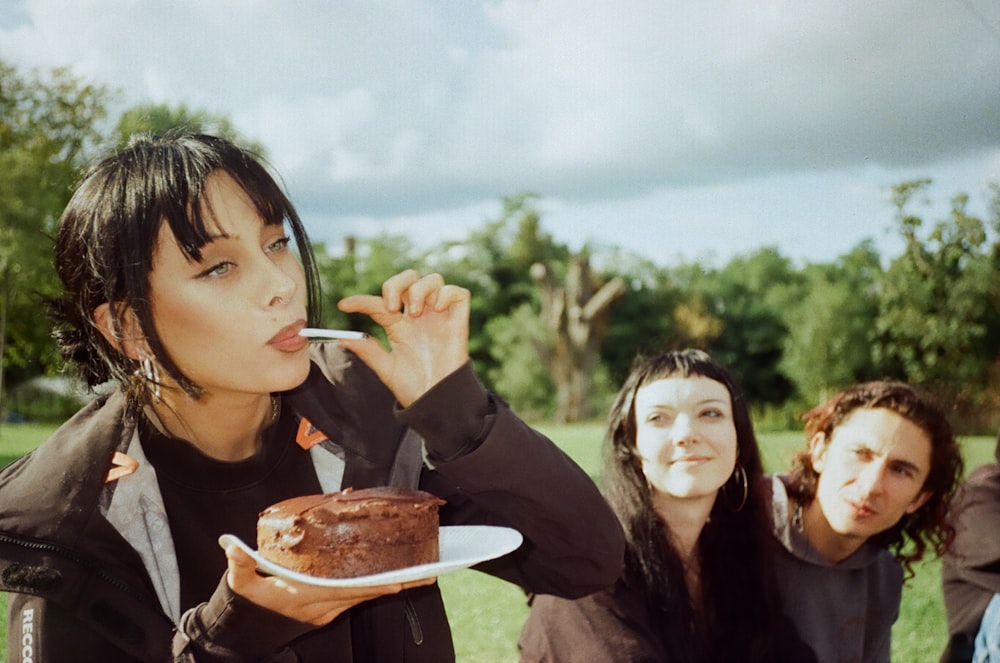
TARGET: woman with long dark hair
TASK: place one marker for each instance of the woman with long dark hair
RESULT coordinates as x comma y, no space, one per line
683,472
181,288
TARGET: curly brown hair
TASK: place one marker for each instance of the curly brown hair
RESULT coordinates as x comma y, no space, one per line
928,526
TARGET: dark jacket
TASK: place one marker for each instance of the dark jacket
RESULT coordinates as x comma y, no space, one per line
970,570
84,592
617,625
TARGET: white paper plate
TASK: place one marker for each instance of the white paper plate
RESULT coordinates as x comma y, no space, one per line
460,547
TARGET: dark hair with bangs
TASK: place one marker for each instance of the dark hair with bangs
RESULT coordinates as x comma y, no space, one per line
740,595
928,526
108,233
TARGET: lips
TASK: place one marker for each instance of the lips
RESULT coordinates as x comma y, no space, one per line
860,509
689,460
288,339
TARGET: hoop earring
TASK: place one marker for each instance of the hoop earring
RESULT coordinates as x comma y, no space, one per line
149,371
740,477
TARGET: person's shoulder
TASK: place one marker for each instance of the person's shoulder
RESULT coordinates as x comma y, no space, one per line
776,501
979,492
885,577
58,484
775,484
881,561
985,477
87,437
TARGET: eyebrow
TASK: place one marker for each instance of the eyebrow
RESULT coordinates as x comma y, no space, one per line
196,254
707,401
907,464
910,465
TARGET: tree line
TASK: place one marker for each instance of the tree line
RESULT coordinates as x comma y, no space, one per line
554,331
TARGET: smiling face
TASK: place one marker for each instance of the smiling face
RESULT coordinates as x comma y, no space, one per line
871,473
230,321
686,436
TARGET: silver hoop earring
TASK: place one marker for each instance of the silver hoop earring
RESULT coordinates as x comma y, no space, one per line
740,479
149,371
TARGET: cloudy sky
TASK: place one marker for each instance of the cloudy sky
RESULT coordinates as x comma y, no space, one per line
679,130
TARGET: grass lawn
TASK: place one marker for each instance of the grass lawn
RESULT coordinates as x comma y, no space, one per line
486,614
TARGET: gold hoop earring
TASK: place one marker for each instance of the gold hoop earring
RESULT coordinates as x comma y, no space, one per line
740,477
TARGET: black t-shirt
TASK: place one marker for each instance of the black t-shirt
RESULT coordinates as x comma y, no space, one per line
205,498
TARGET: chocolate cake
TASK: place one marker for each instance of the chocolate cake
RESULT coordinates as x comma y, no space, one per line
351,533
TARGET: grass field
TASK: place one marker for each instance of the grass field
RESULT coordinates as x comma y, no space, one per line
486,614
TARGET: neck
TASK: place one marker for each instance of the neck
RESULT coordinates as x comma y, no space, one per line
685,520
833,546
226,429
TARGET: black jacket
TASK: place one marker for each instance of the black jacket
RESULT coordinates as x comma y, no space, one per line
83,592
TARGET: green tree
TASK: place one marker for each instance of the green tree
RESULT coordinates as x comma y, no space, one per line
47,131
516,342
829,342
494,262
935,306
361,269
576,311
749,296
649,317
162,118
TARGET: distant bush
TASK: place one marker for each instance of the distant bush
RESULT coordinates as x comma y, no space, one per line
774,418
46,399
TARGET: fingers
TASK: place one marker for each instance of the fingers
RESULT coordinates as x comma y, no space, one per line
242,567
418,583
311,604
408,293
395,287
449,295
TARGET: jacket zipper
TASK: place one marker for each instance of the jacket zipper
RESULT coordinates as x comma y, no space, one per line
62,552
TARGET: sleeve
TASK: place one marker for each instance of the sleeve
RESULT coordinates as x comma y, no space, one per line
41,631
976,514
500,471
595,629
226,629
229,628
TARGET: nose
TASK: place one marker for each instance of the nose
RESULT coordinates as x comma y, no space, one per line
871,479
280,285
683,430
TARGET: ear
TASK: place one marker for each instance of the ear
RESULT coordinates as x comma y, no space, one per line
129,341
817,451
918,501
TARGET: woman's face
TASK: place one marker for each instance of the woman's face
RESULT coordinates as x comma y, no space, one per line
230,321
686,436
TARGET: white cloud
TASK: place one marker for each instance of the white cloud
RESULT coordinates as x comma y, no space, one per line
771,116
